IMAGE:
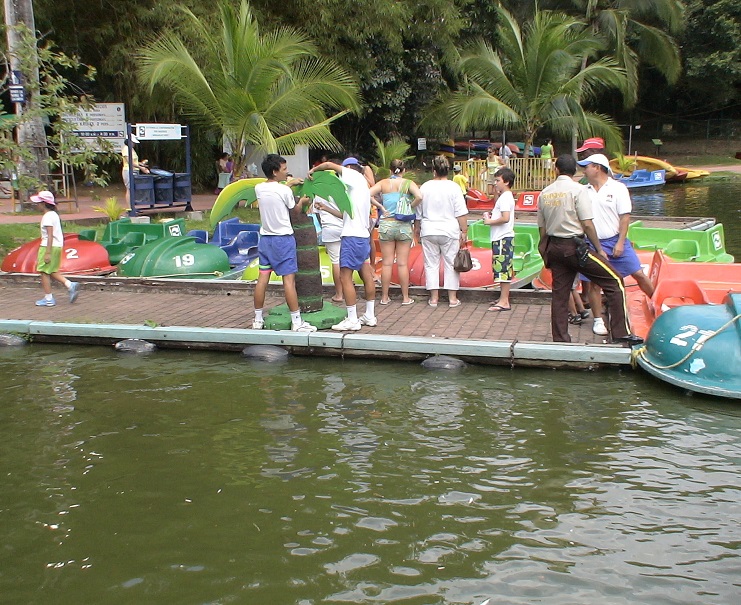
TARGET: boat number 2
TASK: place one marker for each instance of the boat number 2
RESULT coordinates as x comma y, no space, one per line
690,331
186,260
72,253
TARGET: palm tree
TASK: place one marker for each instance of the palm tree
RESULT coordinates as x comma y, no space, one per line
395,148
534,80
270,90
637,31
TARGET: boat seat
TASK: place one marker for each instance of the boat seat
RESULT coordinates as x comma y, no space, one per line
524,246
672,293
87,235
243,248
682,250
201,235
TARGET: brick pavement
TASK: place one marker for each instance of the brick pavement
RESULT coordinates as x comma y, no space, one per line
230,305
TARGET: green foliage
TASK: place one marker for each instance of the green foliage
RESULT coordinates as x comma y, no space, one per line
534,80
268,90
112,209
54,100
394,149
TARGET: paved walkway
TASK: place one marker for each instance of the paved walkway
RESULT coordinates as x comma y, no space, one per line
220,306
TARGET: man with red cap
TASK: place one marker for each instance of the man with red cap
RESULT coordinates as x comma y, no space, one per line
592,145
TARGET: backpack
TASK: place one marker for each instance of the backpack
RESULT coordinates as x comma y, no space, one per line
404,210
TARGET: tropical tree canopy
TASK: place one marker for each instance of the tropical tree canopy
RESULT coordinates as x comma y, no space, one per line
534,81
269,90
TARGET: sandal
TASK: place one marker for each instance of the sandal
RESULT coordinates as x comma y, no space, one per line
385,302
455,304
432,304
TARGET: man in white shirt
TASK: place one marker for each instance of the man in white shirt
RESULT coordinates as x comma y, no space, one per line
277,246
612,206
354,244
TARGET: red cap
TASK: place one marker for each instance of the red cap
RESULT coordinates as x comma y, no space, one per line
593,143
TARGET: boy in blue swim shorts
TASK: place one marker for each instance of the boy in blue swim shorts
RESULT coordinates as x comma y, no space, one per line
277,246
355,246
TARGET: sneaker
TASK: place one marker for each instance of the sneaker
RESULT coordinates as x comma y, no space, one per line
305,326
575,319
371,322
599,327
74,291
584,314
258,324
46,303
346,325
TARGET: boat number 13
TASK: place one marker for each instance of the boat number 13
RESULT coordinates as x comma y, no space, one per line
186,260
689,332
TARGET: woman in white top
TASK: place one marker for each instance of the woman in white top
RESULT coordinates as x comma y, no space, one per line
443,229
395,235
136,165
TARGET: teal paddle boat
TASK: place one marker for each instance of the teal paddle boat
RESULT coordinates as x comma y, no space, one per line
697,347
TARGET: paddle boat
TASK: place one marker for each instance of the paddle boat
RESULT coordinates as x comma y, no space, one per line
478,201
697,347
123,236
672,173
238,240
643,180
79,257
175,257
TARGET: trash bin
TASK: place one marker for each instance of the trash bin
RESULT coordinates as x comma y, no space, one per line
143,190
163,185
182,194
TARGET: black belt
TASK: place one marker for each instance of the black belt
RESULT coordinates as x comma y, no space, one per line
565,239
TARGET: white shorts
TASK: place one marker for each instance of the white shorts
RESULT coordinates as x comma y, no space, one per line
333,251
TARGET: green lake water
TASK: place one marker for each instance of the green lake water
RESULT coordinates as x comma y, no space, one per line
200,478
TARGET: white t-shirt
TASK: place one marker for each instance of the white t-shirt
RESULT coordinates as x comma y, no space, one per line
505,203
331,224
275,200
51,219
442,204
612,200
359,193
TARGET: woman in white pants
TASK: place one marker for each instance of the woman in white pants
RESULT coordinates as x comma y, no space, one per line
443,229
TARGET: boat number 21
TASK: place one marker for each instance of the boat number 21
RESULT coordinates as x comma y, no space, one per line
690,331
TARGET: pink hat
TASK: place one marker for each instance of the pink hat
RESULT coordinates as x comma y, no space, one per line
44,197
593,143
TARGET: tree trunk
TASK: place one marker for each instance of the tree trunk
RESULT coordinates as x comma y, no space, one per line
30,132
309,276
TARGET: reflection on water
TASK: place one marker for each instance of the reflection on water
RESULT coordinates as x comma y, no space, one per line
718,199
202,478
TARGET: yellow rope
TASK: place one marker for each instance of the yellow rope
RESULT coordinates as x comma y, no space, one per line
641,352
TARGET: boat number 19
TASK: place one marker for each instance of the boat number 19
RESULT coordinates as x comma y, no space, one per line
691,331
186,260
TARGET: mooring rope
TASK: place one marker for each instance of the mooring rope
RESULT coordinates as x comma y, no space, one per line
641,352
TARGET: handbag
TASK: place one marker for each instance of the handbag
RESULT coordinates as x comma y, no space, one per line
462,262
404,211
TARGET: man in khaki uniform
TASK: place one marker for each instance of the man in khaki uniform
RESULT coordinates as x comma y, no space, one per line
564,217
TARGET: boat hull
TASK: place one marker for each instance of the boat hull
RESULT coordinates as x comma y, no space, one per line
697,348
79,257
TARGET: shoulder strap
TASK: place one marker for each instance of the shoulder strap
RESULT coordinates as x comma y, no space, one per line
405,184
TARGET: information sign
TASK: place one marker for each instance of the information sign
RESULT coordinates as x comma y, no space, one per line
158,132
104,120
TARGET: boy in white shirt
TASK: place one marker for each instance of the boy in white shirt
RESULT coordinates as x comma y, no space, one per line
354,245
502,222
50,251
277,246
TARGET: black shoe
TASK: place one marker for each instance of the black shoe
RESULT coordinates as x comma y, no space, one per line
575,319
631,340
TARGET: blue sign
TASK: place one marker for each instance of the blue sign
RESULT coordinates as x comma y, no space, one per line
17,94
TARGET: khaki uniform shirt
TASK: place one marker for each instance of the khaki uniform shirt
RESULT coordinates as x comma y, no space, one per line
562,206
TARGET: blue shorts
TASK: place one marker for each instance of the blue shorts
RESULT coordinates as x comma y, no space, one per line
278,253
626,264
354,251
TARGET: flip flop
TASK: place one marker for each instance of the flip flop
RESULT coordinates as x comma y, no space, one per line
499,308
407,303
432,304
457,303
385,302
338,300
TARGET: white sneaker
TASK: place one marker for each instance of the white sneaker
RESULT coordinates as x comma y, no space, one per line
258,324
599,327
304,326
371,322
346,325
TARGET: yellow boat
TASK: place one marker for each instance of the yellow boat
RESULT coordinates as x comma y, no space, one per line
692,173
645,163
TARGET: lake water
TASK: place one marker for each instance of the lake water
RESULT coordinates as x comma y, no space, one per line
203,478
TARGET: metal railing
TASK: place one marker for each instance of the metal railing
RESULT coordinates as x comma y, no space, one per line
531,174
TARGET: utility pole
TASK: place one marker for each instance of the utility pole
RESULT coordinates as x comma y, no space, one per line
30,132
